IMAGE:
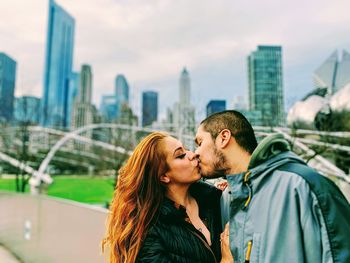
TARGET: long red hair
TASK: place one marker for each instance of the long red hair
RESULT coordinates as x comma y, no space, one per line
136,200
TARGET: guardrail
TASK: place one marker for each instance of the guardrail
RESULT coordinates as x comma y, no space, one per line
41,229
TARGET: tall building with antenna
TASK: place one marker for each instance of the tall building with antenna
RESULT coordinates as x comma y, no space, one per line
184,112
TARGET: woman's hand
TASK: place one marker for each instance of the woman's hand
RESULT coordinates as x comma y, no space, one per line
226,255
221,185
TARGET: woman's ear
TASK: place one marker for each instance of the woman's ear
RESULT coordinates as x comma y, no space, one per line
224,138
165,179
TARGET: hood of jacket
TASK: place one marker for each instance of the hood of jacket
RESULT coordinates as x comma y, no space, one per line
269,147
272,152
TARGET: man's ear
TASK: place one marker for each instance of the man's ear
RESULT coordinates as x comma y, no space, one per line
165,178
224,138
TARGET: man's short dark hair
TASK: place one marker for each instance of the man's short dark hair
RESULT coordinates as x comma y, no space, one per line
238,125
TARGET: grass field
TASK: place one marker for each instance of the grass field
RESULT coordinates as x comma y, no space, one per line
86,189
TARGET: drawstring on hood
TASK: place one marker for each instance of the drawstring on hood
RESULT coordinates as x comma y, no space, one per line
269,147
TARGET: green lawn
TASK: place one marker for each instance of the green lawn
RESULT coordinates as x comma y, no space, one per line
7,184
84,189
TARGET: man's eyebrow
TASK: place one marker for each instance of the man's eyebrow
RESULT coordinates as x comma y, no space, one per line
178,148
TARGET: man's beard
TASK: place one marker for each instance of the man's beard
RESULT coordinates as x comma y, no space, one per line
219,167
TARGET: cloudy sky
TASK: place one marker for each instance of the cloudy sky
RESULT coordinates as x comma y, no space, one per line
150,41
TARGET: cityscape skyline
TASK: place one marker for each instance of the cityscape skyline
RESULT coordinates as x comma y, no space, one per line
213,47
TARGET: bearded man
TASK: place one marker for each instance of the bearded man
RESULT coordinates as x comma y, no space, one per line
278,208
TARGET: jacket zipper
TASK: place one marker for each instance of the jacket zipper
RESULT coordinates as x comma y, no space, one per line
249,251
205,243
245,181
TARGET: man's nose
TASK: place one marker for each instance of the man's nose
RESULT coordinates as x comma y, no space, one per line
196,151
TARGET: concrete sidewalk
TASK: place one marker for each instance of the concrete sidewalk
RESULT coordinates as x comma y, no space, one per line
7,257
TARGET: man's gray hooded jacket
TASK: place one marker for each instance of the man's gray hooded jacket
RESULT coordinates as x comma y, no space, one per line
277,216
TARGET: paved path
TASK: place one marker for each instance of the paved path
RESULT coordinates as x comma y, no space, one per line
7,257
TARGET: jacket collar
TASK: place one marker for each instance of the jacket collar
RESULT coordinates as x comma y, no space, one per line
204,194
170,210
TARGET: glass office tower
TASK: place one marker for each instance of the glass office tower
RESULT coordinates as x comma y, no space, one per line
149,107
214,106
121,94
266,84
7,87
58,67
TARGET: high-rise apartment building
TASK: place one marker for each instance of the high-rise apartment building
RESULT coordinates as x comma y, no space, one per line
266,84
83,110
85,91
334,73
149,107
215,106
58,66
7,87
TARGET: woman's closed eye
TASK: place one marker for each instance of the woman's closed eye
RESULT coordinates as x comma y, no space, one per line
181,156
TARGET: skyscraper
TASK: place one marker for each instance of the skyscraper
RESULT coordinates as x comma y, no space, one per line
108,108
215,106
58,66
27,109
7,87
334,73
85,91
121,93
149,107
74,86
185,87
266,84
83,110
184,112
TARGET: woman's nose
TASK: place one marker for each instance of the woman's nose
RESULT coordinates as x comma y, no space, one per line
192,156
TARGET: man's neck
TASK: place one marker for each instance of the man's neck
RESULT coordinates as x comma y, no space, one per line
239,165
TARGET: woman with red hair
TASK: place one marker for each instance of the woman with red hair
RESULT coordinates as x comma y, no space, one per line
160,212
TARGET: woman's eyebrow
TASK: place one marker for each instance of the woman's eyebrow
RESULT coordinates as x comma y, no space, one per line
178,148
